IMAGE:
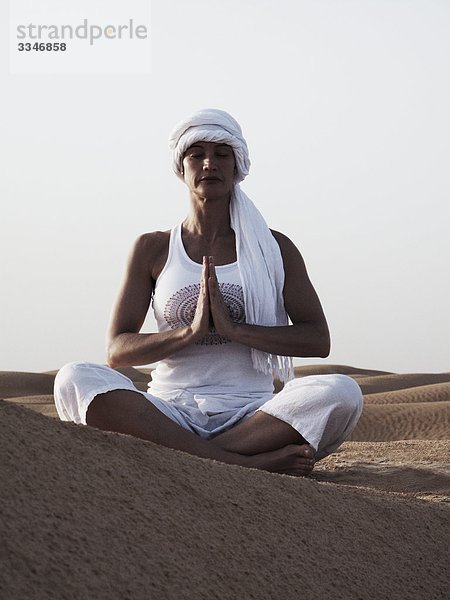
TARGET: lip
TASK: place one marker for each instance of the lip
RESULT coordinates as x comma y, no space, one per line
210,178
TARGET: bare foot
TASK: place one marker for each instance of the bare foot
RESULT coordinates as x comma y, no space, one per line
293,459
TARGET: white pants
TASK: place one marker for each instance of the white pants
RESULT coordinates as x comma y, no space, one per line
324,409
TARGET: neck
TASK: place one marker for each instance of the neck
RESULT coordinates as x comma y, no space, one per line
208,218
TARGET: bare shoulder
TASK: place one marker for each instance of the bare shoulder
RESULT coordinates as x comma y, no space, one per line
150,251
282,239
153,241
289,250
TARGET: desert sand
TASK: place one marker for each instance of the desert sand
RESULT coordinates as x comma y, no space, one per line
87,514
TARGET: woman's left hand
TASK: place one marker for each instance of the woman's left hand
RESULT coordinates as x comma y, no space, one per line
220,314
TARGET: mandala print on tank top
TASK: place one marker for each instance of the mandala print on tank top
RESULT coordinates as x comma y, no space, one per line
180,309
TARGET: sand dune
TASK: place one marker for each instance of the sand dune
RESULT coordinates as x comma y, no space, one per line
14,384
43,404
330,369
413,468
421,420
389,383
90,514
435,392
97,515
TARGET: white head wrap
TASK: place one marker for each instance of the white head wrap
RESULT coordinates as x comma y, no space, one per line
258,254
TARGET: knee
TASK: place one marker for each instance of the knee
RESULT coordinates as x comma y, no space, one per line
72,388
75,378
65,392
348,392
68,375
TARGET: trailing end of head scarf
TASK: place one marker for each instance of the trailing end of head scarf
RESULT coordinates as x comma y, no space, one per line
258,254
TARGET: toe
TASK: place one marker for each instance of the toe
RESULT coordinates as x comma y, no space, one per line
308,451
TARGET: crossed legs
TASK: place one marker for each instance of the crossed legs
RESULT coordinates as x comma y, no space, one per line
262,441
325,408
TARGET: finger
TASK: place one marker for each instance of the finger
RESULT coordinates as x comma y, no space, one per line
213,286
205,273
212,267
212,279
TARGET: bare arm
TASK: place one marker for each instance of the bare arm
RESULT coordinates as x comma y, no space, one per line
307,336
125,345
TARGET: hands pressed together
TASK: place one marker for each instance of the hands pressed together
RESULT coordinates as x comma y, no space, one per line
211,310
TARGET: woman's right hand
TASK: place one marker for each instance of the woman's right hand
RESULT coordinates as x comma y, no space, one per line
126,346
201,323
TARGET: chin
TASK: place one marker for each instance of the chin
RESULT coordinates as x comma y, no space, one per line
211,193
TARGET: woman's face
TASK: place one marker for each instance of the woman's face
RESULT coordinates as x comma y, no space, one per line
209,169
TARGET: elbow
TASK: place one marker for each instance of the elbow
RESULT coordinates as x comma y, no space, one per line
112,359
114,363
325,352
325,344
111,364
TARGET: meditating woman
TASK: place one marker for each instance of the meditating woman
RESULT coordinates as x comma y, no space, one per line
233,303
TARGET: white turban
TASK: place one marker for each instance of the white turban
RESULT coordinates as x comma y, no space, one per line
258,254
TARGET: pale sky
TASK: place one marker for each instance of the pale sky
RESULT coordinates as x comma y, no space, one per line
345,108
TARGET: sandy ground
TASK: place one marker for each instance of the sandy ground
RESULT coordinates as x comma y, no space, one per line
92,515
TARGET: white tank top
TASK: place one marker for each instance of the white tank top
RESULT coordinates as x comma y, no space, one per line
215,366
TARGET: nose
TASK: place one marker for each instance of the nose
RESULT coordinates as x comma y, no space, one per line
209,163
